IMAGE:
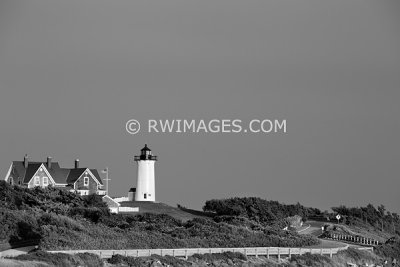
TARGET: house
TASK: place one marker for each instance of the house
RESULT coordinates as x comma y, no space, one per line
83,181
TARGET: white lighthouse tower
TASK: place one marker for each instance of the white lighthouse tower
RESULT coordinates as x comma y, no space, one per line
145,189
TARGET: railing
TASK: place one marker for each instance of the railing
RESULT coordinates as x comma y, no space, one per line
144,157
277,252
121,199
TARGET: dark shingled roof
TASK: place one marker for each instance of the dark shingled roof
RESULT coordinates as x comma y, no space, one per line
74,175
30,171
96,174
60,175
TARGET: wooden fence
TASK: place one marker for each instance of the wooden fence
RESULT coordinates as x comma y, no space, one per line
353,239
276,252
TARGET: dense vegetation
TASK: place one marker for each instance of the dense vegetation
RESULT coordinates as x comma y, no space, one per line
62,259
378,218
351,255
218,259
60,220
63,220
258,210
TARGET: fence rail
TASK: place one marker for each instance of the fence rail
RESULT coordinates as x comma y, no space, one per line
353,239
277,252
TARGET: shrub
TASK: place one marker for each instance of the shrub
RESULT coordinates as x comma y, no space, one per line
309,259
220,256
390,249
63,260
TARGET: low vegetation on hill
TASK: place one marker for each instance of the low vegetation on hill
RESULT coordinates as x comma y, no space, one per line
259,210
61,220
378,219
354,256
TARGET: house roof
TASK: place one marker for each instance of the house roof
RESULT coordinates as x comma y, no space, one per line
97,175
60,175
74,175
30,171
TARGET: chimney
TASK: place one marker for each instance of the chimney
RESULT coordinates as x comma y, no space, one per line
26,161
49,162
76,163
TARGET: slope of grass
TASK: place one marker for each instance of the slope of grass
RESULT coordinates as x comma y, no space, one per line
161,208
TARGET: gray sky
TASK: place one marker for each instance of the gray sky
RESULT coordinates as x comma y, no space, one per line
73,72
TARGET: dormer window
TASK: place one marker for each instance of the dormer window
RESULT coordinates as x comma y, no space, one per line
86,181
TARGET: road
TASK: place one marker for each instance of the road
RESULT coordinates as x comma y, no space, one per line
314,228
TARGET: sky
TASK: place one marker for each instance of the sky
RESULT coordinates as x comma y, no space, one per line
72,73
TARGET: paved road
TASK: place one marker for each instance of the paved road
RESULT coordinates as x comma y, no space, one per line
314,228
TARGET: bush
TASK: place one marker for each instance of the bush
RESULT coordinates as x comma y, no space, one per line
390,249
220,256
257,209
130,261
63,260
309,259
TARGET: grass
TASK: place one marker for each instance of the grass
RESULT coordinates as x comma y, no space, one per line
61,259
351,255
162,208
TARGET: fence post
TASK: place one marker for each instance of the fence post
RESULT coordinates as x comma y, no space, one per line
320,252
100,254
256,253
126,253
267,253
279,255
161,253
186,257
289,253
330,253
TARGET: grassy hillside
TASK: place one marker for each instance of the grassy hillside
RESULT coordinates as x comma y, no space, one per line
361,258
63,220
161,208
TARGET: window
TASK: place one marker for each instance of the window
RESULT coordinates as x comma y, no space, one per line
145,196
86,181
37,180
45,181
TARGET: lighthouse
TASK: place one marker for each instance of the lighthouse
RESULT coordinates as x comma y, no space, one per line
145,188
